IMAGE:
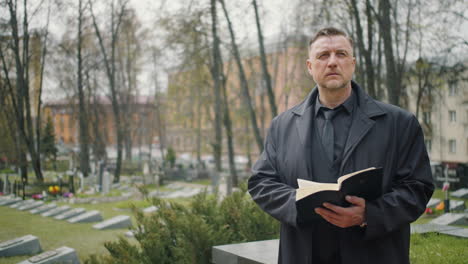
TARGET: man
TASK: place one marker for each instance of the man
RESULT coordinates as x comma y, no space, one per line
336,130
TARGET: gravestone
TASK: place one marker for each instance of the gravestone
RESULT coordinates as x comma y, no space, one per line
433,202
461,232
91,216
10,201
428,228
460,193
70,214
120,221
106,182
20,204
56,211
450,219
150,209
26,245
59,255
456,205
43,209
247,253
30,206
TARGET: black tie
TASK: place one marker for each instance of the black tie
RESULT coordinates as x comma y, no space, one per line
328,134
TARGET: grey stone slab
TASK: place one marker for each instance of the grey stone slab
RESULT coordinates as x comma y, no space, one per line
31,205
247,253
150,209
428,228
462,232
26,245
70,214
91,216
433,202
120,221
56,211
456,205
59,255
21,203
10,201
460,193
450,219
44,208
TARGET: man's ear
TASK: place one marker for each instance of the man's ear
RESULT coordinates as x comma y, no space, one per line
309,66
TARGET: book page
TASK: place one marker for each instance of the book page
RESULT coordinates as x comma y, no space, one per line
313,187
349,175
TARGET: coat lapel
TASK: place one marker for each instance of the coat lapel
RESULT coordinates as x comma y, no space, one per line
304,119
362,121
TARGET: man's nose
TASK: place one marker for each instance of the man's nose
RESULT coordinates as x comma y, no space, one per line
332,60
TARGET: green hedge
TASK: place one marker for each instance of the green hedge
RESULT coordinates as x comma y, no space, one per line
185,234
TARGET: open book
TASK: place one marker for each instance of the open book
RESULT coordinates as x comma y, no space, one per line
365,183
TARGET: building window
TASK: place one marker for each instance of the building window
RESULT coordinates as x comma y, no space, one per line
428,143
427,117
452,88
453,116
452,146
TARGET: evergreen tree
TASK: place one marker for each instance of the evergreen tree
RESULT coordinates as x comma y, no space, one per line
48,148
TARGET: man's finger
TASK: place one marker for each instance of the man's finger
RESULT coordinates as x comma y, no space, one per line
337,209
356,200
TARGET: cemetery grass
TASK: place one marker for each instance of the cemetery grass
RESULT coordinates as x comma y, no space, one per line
434,248
53,233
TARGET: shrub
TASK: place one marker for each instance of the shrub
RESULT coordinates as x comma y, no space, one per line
186,234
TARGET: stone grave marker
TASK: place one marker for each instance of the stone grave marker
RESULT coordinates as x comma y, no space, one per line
21,203
91,216
456,205
450,219
428,228
70,214
150,209
56,211
120,221
433,202
59,255
247,253
10,201
44,208
31,205
460,193
106,182
461,232
26,245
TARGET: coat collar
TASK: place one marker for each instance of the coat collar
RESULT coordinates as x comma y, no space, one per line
363,120
367,105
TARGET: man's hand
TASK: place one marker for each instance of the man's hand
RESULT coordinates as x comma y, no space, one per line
344,216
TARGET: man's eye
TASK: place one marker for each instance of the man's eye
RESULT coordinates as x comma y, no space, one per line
341,54
323,56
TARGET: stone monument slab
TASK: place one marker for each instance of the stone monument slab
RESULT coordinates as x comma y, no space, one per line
59,255
120,221
21,203
456,205
91,216
428,228
10,201
44,208
247,253
26,245
450,219
433,202
56,211
150,209
70,214
31,205
460,193
461,232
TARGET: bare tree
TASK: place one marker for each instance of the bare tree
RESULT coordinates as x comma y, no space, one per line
110,66
243,80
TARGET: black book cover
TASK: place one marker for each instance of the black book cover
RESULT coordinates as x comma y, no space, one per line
366,184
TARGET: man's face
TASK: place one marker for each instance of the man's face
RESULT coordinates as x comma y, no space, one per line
331,62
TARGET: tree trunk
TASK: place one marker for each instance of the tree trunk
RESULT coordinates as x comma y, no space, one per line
266,74
243,82
215,72
83,114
